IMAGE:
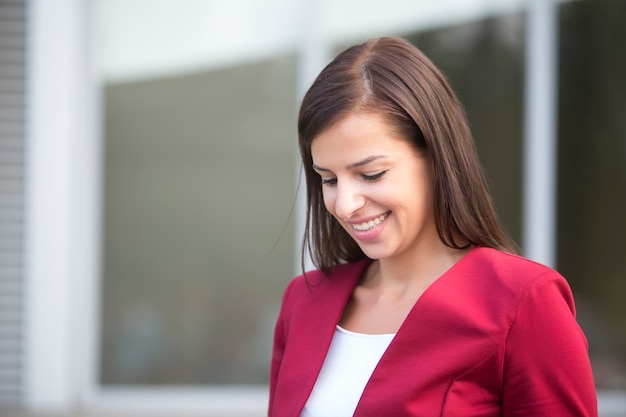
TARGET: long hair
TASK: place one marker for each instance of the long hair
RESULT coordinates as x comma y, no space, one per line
391,77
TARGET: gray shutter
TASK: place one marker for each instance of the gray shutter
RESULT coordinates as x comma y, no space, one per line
12,161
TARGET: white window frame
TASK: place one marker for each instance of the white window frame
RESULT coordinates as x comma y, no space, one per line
61,194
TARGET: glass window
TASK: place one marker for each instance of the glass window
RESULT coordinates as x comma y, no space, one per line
198,245
592,177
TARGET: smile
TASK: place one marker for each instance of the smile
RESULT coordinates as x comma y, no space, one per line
369,225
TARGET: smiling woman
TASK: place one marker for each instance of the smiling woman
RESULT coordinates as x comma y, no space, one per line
376,184
410,253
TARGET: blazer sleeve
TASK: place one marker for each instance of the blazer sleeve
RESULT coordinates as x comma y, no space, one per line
280,339
546,364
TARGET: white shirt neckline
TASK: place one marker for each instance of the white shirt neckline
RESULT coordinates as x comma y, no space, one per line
349,364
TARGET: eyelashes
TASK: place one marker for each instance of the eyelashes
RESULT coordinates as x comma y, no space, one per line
369,178
374,177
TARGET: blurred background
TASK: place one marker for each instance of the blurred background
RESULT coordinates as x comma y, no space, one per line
149,212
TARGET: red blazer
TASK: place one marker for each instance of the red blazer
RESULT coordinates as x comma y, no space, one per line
496,335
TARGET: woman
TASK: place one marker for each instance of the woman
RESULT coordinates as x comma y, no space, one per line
419,306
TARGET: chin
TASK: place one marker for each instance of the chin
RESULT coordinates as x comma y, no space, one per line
376,253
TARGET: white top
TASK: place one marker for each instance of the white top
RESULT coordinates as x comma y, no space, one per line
349,363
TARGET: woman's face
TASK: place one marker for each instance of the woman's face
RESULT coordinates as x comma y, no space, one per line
377,185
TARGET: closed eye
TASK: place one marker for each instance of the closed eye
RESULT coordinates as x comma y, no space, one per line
329,181
373,177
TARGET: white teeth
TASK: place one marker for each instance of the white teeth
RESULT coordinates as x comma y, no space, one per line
365,226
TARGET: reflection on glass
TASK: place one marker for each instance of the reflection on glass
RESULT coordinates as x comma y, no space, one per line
199,184
592,177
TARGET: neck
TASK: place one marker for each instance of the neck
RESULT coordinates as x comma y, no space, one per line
417,269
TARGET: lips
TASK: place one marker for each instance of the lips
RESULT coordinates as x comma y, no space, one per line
370,224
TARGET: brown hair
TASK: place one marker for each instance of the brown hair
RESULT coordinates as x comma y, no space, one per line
391,77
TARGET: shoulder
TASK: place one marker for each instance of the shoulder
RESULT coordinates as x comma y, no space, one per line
511,271
506,280
515,278
499,262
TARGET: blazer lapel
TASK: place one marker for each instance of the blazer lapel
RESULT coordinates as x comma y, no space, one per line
312,327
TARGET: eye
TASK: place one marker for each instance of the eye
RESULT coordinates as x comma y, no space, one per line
374,177
329,181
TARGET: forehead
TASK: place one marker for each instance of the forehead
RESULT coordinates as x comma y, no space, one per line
357,136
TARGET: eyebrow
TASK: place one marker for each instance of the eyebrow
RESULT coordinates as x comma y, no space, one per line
353,165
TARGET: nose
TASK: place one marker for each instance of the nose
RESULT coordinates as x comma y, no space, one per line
348,200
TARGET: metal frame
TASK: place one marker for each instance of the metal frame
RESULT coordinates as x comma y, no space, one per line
540,136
